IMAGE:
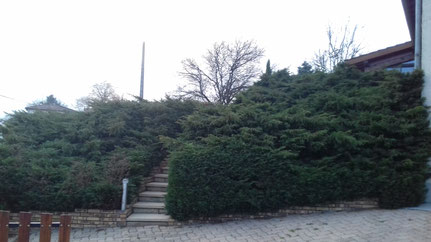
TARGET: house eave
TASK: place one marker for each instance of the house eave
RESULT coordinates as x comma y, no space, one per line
384,58
409,13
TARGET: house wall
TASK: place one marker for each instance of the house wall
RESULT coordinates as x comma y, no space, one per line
426,63
426,42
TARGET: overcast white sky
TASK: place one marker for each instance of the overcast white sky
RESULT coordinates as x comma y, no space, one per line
64,47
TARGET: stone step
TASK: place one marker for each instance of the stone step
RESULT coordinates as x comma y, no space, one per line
149,207
150,210
165,170
161,177
150,196
142,219
156,189
157,186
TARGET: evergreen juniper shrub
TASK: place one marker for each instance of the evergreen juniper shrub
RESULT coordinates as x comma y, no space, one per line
304,140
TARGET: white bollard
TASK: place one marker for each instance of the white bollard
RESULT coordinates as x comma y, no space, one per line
124,199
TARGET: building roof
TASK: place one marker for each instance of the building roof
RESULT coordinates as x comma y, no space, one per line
393,55
384,58
49,108
409,12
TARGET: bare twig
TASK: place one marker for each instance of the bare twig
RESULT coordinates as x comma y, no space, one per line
342,45
229,69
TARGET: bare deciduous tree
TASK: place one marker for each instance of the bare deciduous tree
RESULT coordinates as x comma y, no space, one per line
228,69
342,45
101,93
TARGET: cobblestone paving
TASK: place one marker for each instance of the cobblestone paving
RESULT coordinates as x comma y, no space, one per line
372,225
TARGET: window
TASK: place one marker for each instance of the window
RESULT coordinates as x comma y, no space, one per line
405,67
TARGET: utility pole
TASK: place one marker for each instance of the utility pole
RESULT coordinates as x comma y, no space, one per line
141,91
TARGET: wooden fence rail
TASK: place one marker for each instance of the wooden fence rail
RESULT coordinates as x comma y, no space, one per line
45,225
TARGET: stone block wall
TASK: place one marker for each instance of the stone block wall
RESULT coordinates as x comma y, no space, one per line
85,218
360,204
96,218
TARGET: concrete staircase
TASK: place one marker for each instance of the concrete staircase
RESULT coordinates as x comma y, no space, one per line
150,209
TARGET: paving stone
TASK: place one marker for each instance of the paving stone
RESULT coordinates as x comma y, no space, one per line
371,225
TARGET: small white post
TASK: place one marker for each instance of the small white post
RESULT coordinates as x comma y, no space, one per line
124,199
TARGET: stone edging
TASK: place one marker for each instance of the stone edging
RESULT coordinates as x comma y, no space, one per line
85,218
97,218
360,204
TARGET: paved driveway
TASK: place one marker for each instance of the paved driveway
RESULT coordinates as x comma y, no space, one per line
372,225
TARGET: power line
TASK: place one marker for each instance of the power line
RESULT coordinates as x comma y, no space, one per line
13,99
7,97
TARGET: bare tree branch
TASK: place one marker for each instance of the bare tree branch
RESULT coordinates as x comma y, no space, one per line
342,45
229,69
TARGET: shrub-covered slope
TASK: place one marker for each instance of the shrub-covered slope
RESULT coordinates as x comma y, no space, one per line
52,161
303,140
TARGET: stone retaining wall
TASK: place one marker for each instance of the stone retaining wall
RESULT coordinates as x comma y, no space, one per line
85,218
360,204
96,218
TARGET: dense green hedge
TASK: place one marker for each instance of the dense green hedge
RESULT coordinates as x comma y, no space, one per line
52,161
303,140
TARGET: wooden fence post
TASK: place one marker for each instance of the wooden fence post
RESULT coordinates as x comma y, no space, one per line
45,227
4,226
24,227
64,230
